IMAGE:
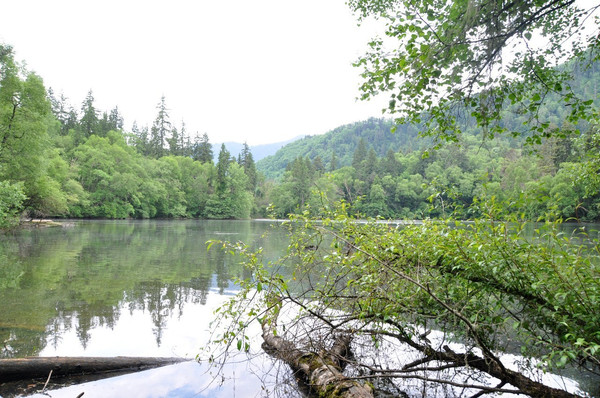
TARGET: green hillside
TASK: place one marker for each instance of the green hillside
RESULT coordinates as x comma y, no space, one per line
342,142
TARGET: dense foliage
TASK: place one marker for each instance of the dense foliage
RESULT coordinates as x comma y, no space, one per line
555,182
61,162
335,148
55,161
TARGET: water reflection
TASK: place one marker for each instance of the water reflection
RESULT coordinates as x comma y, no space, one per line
175,328
58,285
138,288
182,380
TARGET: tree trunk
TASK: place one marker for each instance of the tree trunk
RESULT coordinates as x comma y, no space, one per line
322,372
40,367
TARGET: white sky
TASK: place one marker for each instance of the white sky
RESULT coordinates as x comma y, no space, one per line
258,71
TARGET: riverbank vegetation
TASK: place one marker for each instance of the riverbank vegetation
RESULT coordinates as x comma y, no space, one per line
58,161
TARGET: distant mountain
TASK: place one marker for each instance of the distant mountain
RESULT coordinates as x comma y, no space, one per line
343,142
258,151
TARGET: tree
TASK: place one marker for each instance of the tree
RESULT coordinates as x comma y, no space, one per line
115,120
247,162
182,142
160,131
231,199
11,203
25,118
103,125
333,162
222,170
476,58
195,183
301,177
89,123
360,155
63,112
389,165
318,165
110,171
173,142
141,139
202,151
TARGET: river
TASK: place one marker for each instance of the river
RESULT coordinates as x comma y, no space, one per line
130,288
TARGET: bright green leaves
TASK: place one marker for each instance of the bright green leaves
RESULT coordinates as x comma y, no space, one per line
11,203
243,344
24,141
475,282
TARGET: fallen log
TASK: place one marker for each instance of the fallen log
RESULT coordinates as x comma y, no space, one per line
40,367
321,372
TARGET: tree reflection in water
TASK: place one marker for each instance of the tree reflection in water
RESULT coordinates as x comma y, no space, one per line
57,282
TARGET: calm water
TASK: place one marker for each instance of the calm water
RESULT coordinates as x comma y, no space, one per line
131,288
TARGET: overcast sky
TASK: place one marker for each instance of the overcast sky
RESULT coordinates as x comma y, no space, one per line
257,71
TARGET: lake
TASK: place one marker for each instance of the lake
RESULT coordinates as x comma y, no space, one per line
131,288
128,288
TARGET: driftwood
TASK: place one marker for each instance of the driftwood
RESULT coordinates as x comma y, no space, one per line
322,372
40,367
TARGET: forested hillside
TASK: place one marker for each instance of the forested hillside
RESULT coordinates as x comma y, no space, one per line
336,147
396,175
549,183
339,144
60,161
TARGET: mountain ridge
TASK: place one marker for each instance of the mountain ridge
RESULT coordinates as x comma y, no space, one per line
258,151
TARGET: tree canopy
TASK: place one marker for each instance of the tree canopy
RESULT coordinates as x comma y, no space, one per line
444,60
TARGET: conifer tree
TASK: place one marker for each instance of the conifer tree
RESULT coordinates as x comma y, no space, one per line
333,162
115,119
89,123
246,160
222,168
173,142
160,131
203,152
